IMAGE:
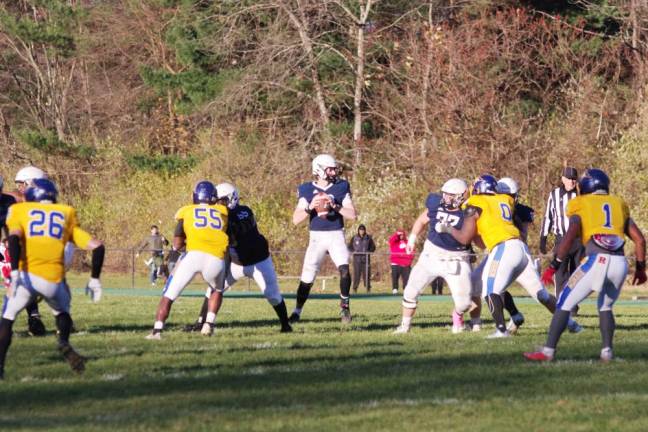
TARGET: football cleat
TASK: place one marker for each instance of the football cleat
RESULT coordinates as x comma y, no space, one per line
457,329
294,317
345,316
395,292
606,355
499,334
75,360
35,326
537,356
154,336
207,329
286,328
474,325
401,329
574,327
194,327
515,323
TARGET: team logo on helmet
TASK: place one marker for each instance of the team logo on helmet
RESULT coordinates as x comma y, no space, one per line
594,180
41,190
485,184
204,193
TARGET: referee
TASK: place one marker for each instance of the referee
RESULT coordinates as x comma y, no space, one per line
556,222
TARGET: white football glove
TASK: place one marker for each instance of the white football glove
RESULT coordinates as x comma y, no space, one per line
411,244
13,278
443,227
93,289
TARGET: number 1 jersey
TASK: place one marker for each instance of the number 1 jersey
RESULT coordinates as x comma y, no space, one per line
205,227
47,228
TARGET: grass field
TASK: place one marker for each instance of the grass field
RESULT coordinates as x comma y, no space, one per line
324,376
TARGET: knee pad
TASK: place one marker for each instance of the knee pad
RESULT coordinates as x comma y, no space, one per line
543,296
409,303
344,271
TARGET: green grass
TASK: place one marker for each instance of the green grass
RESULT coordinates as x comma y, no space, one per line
324,376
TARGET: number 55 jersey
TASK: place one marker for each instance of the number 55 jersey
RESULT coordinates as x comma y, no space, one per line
47,228
205,227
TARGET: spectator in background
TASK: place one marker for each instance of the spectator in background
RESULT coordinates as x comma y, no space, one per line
556,222
401,261
361,245
154,244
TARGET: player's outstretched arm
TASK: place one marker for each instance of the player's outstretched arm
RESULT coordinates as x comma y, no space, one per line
94,288
639,240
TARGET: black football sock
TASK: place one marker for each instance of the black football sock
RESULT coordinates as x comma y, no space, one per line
5,340
509,304
282,313
557,327
345,285
496,307
607,325
64,326
32,309
302,293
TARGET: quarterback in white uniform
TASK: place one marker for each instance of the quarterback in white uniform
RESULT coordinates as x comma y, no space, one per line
326,230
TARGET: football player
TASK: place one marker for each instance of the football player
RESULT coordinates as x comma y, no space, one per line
249,256
601,220
38,231
202,226
489,219
327,232
443,256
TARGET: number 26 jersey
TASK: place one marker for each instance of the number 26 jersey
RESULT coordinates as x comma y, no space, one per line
46,229
205,227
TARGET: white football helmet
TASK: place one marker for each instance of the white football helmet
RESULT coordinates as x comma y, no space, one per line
320,163
455,189
229,191
29,173
508,186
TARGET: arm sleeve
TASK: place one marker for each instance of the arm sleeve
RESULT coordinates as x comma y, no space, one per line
98,254
546,221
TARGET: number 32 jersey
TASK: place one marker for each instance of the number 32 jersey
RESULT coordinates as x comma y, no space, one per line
495,223
205,227
47,228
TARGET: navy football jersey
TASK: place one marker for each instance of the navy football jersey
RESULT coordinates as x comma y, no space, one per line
247,245
6,201
522,214
338,191
438,212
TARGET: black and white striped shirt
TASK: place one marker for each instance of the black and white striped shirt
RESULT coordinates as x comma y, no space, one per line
555,219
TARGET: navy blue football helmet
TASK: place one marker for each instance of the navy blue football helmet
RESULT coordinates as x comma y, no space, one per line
41,190
205,193
594,180
485,184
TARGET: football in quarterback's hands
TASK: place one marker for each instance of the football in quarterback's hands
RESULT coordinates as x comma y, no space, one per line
322,204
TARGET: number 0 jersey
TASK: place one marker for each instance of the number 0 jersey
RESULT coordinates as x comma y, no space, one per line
495,223
599,214
47,228
205,227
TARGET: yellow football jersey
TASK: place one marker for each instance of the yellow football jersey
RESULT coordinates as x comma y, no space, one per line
205,227
495,223
46,229
599,214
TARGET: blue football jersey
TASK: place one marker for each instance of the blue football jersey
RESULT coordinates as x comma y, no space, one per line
247,245
438,212
338,191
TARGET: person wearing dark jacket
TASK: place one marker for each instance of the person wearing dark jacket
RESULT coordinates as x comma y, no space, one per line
361,245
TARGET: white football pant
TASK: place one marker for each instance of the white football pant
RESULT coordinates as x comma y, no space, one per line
29,287
321,242
510,261
452,266
263,273
209,266
601,273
